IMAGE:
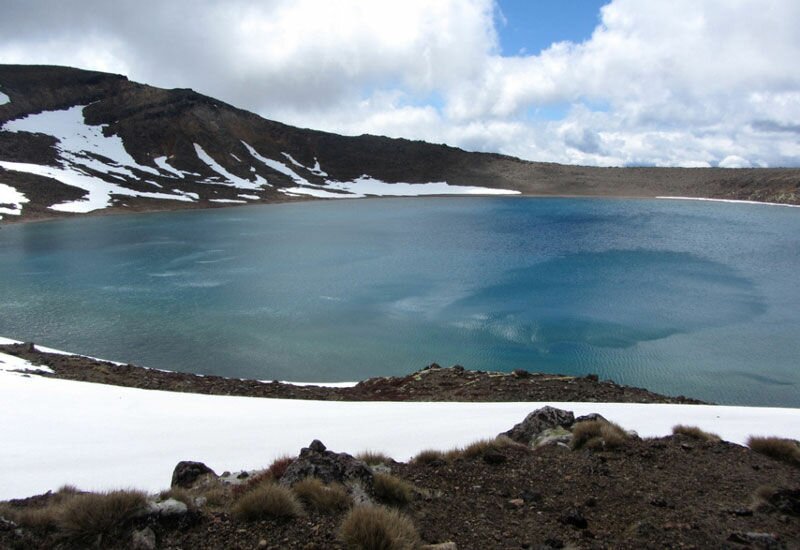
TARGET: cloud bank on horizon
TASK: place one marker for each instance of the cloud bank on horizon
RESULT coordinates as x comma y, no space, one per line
668,83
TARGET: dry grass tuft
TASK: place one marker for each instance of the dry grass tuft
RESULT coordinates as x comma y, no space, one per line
267,501
695,433
378,528
273,473
279,466
785,450
598,435
428,456
392,490
217,496
88,516
38,519
374,458
323,498
484,446
43,517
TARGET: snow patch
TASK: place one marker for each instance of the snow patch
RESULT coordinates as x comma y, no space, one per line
83,150
78,141
99,191
106,437
230,179
11,200
366,185
249,197
161,162
10,363
4,99
277,166
228,201
316,170
735,201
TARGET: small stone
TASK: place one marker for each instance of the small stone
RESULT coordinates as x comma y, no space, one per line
144,539
262,543
516,502
458,368
7,524
592,377
521,373
441,546
658,502
575,518
317,446
494,458
530,496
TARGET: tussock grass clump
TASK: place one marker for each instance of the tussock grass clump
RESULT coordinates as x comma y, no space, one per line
428,456
217,496
484,446
378,528
695,433
87,516
279,466
272,473
323,498
268,500
785,450
44,517
39,519
598,435
392,490
374,458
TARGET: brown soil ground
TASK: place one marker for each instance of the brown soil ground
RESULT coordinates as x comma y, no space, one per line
430,384
673,492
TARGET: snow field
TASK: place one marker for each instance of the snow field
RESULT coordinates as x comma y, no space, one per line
11,201
102,437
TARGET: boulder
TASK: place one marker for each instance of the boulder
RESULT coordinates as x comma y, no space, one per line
187,473
167,508
537,422
552,436
329,467
591,417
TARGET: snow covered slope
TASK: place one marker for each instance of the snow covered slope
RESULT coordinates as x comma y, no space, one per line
101,437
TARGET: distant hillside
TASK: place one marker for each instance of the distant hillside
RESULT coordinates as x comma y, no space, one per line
75,141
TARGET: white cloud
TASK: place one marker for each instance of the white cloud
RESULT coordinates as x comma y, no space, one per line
659,83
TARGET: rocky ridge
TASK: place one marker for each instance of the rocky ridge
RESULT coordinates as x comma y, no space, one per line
142,148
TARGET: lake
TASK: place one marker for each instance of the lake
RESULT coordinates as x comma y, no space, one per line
681,297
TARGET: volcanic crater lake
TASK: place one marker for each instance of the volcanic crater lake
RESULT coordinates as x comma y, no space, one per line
681,297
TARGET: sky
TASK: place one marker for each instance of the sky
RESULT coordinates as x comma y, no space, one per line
606,83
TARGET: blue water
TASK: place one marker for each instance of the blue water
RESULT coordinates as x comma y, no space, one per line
700,299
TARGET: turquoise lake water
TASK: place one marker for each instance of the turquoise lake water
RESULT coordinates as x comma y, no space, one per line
692,298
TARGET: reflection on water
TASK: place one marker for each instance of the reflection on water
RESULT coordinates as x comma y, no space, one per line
688,298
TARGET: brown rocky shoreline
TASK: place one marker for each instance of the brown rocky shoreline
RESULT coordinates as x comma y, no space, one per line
433,383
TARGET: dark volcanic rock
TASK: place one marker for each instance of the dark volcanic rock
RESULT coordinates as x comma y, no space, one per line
538,421
329,467
186,473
